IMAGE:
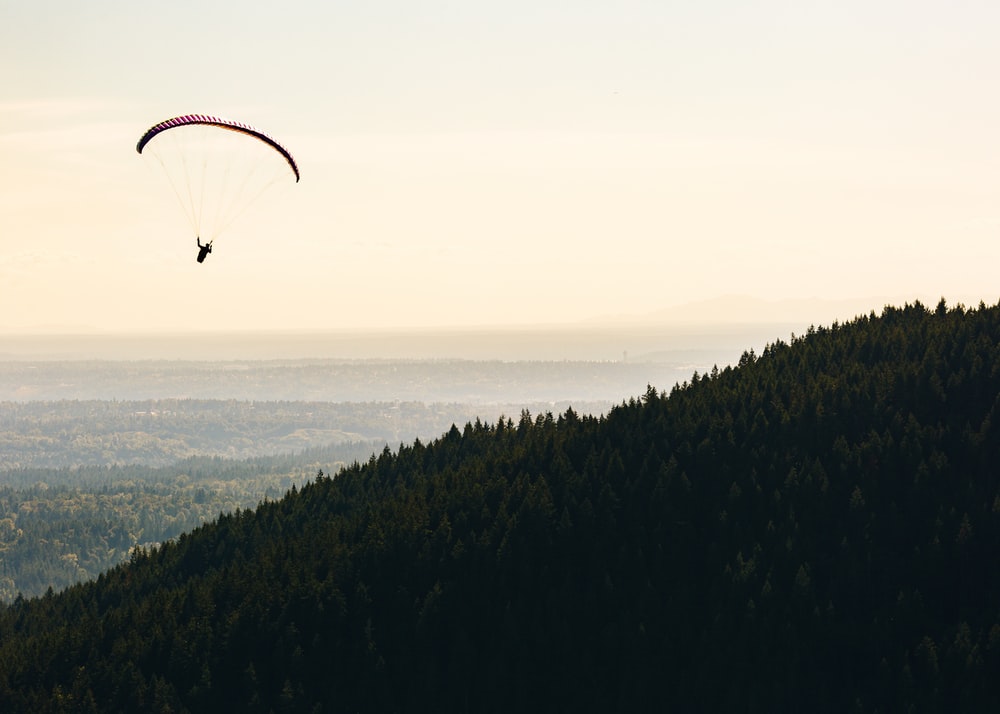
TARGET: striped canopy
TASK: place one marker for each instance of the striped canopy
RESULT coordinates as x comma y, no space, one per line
190,119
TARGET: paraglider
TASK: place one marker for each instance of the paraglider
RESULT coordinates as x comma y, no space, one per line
217,168
203,250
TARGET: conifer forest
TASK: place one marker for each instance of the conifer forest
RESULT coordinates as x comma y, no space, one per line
812,529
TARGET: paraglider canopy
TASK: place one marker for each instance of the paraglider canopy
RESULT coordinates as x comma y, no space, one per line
217,168
205,120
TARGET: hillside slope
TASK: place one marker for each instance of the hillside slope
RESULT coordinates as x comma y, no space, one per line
813,530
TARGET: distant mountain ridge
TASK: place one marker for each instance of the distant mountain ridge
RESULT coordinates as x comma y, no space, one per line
812,529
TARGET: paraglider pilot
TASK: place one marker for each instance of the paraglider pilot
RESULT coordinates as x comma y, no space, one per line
203,250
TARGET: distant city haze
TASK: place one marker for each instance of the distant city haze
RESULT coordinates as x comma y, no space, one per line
586,363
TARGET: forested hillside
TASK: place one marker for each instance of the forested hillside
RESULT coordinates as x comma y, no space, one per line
84,482
62,526
812,530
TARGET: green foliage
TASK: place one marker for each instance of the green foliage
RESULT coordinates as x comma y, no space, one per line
74,523
812,530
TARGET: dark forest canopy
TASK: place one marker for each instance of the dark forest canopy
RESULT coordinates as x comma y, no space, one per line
814,529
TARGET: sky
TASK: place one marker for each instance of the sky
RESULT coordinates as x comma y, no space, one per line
477,163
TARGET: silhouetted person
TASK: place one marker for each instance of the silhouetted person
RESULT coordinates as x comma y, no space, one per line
203,250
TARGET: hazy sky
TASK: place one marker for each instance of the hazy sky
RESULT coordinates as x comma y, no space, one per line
511,162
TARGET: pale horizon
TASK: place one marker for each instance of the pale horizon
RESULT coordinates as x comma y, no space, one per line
720,312
487,166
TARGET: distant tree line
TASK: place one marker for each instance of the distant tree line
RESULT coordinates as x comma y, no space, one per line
159,432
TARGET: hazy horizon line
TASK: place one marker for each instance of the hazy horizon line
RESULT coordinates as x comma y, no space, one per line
722,312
